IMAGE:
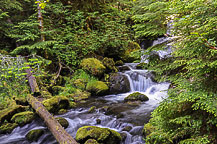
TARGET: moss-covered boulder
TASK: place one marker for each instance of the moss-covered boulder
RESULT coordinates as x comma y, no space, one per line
136,97
119,63
7,127
79,95
101,135
23,118
148,129
34,135
133,52
63,122
80,83
56,103
6,114
91,141
109,64
119,83
46,94
93,66
97,88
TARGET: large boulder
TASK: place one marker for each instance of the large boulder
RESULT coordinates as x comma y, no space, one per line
101,135
56,103
97,87
119,83
7,127
23,118
93,66
136,97
109,64
34,135
79,95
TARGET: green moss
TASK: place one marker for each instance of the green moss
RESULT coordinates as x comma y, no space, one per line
92,109
93,66
80,83
91,141
79,95
101,135
62,111
132,53
142,66
63,122
34,135
7,128
46,94
109,64
136,97
148,129
97,87
23,118
56,103
6,114
119,63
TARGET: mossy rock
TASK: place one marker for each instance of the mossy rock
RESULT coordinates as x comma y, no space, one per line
109,64
23,118
7,127
97,88
56,103
34,135
63,122
62,111
92,109
91,141
93,66
132,53
6,114
79,95
119,63
80,84
148,129
101,135
46,94
127,128
136,97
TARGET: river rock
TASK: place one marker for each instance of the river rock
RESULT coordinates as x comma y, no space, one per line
119,83
91,141
123,68
63,122
93,66
101,135
92,109
7,127
97,88
34,135
109,64
23,118
136,97
127,128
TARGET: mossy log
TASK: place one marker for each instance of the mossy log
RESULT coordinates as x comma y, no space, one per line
53,125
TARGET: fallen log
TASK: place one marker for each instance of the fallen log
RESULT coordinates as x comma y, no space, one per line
53,125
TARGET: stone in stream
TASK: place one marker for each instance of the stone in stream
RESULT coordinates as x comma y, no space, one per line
7,127
63,122
97,88
91,141
23,118
34,135
101,135
92,109
119,83
127,128
136,97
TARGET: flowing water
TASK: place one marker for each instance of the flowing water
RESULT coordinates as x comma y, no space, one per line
111,111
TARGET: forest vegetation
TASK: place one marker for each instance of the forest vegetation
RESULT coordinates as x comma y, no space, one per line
81,42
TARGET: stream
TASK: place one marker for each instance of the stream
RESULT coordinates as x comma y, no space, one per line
111,110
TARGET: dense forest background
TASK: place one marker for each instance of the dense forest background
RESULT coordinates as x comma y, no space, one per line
112,31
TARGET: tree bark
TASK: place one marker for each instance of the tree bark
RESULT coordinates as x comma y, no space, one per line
53,125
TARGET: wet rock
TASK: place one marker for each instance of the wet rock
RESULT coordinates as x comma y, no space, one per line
118,83
136,97
101,135
119,63
79,95
63,122
62,111
7,128
123,68
97,88
6,114
92,109
91,141
56,103
93,66
127,128
98,121
23,118
123,136
109,64
34,135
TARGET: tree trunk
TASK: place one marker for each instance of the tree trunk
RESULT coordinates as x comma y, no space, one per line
53,125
